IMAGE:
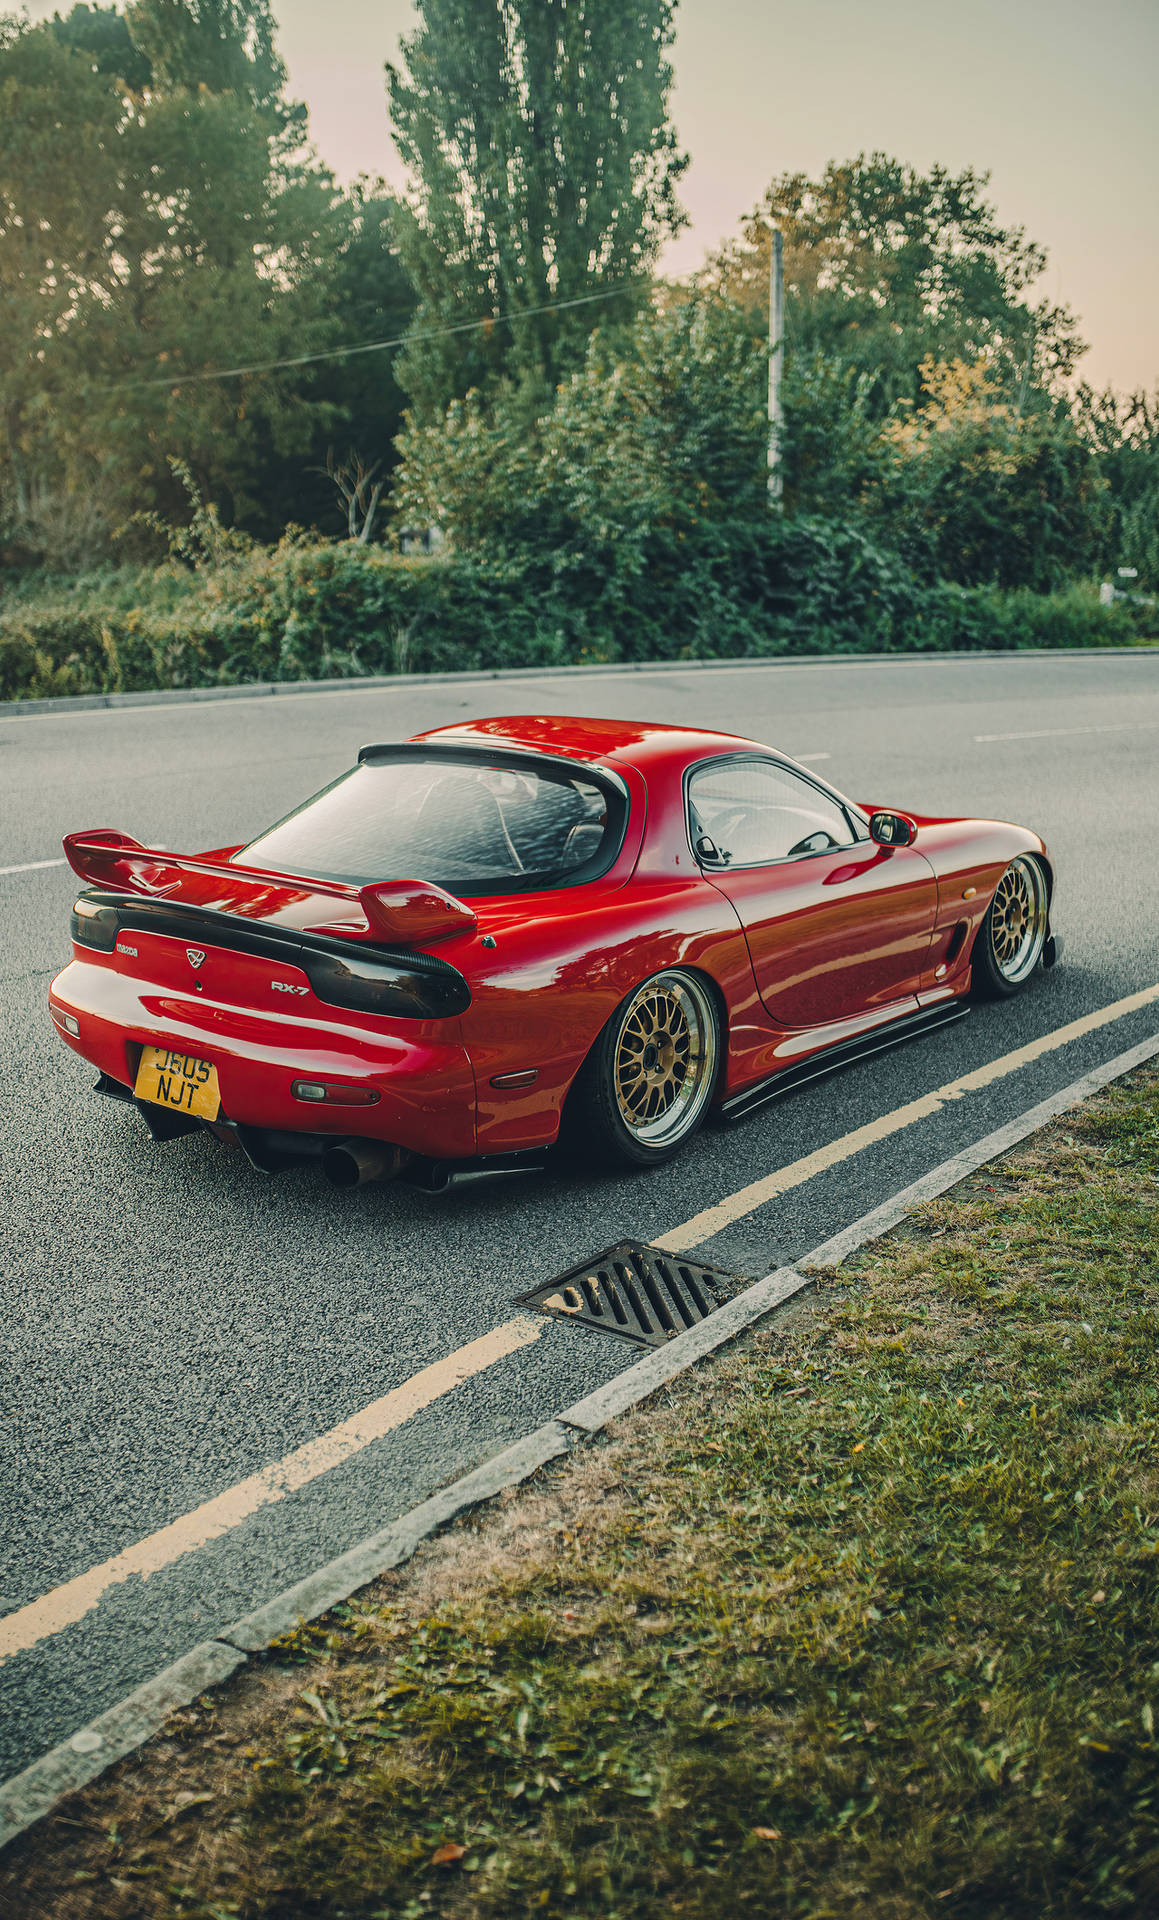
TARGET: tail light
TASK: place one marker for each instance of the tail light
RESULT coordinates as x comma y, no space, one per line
411,985
419,986
94,925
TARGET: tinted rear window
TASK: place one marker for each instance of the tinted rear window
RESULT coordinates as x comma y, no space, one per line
473,829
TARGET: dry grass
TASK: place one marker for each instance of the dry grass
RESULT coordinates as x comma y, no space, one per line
859,1621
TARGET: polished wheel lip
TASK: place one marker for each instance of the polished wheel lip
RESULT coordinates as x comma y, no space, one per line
664,1059
1018,920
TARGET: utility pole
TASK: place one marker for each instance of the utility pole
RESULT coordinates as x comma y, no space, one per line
776,363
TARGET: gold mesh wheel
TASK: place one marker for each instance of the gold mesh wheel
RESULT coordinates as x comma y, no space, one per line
1018,920
664,1059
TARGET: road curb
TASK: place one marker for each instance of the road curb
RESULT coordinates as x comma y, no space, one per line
339,1578
27,1797
872,1225
76,1762
268,689
663,1364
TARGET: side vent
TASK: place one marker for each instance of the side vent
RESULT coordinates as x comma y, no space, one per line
956,940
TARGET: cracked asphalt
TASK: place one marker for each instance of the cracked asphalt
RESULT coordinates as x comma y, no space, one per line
173,1322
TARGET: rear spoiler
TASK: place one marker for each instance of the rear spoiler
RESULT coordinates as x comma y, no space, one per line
410,912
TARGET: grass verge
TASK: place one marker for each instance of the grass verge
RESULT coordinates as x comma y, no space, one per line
860,1620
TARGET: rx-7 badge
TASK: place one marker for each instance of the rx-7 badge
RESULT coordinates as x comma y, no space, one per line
194,956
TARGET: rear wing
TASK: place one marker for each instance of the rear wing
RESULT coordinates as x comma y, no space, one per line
406,912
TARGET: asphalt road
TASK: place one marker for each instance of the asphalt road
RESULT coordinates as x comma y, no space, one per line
173,1322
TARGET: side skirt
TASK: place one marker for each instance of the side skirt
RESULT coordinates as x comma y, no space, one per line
909,1027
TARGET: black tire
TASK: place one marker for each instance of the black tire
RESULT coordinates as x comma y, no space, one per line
646,1085
1009,943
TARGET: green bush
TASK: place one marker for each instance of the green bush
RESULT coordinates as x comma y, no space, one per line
304,611
957,619
97,649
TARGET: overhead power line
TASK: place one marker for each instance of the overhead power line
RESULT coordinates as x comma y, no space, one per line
376,346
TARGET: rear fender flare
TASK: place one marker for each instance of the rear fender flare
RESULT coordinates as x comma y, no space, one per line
716,994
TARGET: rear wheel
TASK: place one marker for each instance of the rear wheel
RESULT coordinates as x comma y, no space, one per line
1011,938
644,1088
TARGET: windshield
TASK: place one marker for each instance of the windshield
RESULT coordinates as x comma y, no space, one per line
470,828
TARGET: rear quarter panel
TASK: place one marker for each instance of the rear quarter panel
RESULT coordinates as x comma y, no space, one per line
562,964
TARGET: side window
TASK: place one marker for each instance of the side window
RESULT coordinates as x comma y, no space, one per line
744,812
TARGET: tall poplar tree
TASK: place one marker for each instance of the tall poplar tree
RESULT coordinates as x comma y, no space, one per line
543,170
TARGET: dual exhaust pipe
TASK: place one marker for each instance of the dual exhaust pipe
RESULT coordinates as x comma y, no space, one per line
351,1163
354,1163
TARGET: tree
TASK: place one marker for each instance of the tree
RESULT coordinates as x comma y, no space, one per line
151,239
833,451
102,34
58,180
371,299
659,432
1123,434
544,170
225,46
359,487
985,492
885,266
224,246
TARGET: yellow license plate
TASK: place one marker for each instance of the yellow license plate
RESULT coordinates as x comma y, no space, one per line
178,1081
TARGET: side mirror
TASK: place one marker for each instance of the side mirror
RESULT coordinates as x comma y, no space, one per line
892,829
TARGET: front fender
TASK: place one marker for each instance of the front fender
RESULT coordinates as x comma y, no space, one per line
969,858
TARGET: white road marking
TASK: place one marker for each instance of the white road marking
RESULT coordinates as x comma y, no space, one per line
746,1200
66,1604
803,758
32,866
1068,733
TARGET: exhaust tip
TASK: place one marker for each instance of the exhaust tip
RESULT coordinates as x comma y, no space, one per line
351,1163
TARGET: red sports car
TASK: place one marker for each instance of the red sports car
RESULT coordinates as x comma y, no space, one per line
497,932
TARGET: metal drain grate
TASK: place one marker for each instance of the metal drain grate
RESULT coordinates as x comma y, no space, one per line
636,1291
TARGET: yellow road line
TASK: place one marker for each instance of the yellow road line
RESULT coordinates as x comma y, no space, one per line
66,1604
703,1225
70,1602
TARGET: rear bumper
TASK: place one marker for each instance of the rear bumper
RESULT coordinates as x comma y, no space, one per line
424,1080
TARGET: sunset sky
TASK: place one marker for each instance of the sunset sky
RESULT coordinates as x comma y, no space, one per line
1055,97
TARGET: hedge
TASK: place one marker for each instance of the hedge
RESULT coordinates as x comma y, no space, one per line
308,610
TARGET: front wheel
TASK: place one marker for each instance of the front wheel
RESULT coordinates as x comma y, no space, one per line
1011,938
645,1086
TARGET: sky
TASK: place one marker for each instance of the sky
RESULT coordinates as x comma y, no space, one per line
1055,98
